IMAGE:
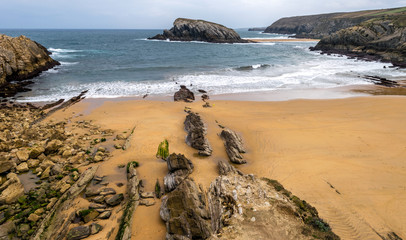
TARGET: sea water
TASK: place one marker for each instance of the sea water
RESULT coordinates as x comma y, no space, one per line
121,63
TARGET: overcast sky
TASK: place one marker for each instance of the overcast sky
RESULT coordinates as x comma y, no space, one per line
148,14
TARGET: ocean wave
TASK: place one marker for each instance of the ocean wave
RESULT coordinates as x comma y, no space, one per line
68,63
61,50
252,67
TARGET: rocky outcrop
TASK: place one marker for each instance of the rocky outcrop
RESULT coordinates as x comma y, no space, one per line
233,145
322,25
243,206
184,94
196,137
186,213
371,40
239,206
179,169
20,59
199,30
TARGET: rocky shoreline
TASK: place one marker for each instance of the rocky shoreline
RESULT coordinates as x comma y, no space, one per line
21,59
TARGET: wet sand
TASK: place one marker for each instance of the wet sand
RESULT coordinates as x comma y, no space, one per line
346,157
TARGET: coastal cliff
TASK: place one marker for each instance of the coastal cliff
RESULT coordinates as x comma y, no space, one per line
377,39
199,30
322,25
21,58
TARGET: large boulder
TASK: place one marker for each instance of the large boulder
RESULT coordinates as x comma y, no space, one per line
6,165
199,30
196,137
21,58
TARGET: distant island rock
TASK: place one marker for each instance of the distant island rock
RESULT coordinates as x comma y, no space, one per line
257,29
21,59
199,30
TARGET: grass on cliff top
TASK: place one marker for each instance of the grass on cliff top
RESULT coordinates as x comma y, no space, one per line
390,12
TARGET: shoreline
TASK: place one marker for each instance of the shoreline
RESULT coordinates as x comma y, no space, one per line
270,40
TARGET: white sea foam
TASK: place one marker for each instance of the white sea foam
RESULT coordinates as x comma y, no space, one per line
60,50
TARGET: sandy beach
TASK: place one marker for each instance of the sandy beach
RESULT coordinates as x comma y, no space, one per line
346,157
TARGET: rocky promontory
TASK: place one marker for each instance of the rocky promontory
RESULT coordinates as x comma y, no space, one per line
21,59
377,39
322,25
199,30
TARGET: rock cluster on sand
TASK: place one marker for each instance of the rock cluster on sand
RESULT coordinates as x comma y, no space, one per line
199,30
20,59
50,153
196,136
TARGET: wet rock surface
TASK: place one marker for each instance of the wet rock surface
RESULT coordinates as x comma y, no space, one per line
199,30
196,137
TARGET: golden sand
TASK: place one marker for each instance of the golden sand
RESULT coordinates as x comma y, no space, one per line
346,157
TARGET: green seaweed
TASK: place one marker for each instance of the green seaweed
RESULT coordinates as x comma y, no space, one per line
134,163
163,150
157,189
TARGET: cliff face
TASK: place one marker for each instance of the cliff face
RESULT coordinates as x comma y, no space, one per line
199,30
22,58
315,26
322,25
376,39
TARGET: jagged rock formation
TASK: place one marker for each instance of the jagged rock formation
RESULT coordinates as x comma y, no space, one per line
179,169
233,145
22,58
199,30
196,137
322,25
239,206
377,39
184,94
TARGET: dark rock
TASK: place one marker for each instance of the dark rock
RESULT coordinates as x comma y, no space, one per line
107,191
185,212
202,91
95,228
199,30
78,233
196,137
233,145
179,169
115,199
184,94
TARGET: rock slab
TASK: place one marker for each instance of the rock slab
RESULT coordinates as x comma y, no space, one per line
196,137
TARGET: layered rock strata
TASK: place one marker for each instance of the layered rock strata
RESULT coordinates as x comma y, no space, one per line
196,136
234,146
20,59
